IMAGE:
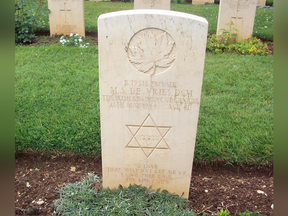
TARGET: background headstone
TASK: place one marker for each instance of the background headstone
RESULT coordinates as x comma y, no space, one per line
152,4
66,16
201,2
150,75
239,12
261,2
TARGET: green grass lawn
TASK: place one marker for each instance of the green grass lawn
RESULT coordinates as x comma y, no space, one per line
57,98
263,25
57,104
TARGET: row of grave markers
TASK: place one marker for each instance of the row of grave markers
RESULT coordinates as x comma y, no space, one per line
151,66
67,16
196,2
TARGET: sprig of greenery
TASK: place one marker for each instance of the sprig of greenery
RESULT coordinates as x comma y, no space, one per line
223,213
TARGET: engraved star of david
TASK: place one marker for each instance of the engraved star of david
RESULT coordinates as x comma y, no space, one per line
148,136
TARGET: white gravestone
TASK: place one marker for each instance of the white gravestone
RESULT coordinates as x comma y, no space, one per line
201,2
66,16
239,12
150,75
152,4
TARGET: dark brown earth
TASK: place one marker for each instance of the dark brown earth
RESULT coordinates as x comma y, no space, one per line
235,188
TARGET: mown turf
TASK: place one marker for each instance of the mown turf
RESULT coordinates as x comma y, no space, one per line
57,104
236,111
57,99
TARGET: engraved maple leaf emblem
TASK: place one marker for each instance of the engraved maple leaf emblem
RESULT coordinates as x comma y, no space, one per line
151,51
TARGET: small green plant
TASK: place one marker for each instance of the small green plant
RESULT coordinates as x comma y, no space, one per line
229,33
248,213
26,19
223,213
73,40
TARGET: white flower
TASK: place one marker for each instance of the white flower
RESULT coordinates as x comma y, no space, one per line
61,37
80,40
76,34
63,41
71,34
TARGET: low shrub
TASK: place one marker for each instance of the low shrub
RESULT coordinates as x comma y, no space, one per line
89,198
82,198
228,42
26,19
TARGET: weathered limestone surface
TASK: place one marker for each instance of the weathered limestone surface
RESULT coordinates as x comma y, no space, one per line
66,16
239,12
261,2
150,75
152,4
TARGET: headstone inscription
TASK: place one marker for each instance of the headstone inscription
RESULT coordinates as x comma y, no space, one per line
150,75
201,2
152,4
261,3
237,14
66,16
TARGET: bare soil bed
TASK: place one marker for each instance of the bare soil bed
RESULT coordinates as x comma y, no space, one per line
235,188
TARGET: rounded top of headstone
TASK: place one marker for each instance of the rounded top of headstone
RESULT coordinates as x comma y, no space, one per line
153,12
